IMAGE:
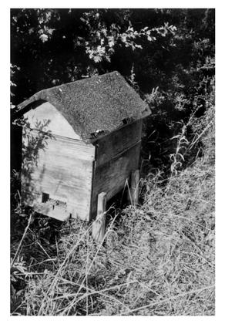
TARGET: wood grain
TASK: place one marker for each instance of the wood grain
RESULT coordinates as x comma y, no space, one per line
64,171
50,210
118,141
111,176
98,226
69,170
135,177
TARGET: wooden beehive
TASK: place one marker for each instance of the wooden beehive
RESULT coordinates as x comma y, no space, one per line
95,126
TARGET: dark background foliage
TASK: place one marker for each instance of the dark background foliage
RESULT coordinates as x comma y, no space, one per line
167,55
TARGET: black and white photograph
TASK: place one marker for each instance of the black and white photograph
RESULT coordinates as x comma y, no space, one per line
112,161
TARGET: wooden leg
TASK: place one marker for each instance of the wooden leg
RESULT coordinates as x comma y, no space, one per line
129,198
134,192
98,226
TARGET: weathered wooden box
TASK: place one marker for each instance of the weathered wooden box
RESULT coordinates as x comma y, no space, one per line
95,126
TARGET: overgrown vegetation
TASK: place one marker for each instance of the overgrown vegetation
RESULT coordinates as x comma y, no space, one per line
158,258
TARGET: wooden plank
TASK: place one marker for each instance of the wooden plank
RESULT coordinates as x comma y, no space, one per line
64,171
117,142
56,212
78,200
135,177
111,176
98,226
67,147
76,209
57,124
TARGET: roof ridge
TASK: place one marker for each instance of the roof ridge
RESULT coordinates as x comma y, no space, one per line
82,80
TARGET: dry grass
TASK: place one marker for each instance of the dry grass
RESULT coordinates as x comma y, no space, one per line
157,258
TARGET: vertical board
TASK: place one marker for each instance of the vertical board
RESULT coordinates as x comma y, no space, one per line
62,170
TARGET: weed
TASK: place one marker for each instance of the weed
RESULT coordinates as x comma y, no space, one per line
157,258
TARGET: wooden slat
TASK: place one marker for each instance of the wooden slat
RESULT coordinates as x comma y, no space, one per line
111,176
76,208
98,226
56,212
117,142
68,147
135,177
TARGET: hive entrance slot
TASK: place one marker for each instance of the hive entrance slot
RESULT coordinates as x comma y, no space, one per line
53,207
45,197
53,202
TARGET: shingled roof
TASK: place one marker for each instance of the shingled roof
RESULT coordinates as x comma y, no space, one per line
95,105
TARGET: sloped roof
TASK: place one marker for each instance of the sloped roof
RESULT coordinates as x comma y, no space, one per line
93,106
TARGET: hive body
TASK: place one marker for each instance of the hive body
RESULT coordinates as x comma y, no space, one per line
80,149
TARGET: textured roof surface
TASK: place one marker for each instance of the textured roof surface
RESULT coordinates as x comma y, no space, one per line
93,106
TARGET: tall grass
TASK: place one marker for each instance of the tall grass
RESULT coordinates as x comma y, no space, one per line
157,258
